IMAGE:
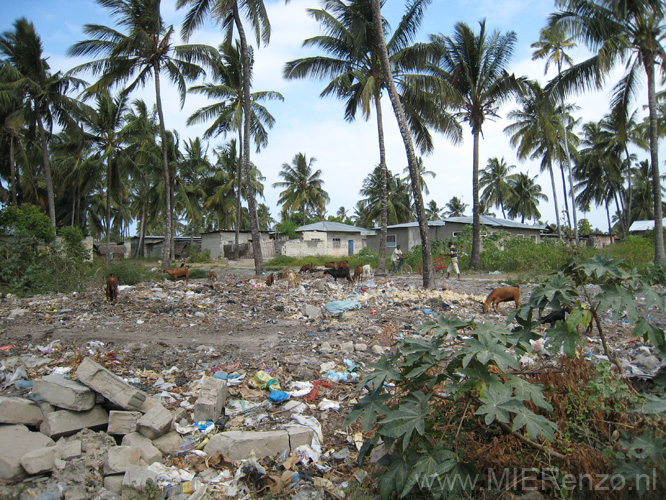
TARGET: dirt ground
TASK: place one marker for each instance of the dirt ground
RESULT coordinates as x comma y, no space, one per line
238,324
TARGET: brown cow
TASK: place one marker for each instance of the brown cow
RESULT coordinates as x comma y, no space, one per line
504,294
111,288
338,264
307,268
358,273
178,272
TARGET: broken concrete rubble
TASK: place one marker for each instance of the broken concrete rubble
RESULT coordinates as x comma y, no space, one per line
19,411
64,393
155,423
212,397
66,422
123,422
241,444
109,385
149,453
15,442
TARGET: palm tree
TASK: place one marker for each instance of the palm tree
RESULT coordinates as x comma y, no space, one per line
398,200
552,44
105,125
144,52
526,194
228,15
227,112
403,124
494,181
599,168
422,173
455,207
433,211
356,75
472,68
536,133
46,101
303,187
630,32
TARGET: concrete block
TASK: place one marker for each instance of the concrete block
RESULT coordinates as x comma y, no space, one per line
64,393
66,422
109,385
310,311
123,422
169,444
19,411
155,423
119,458
149,403
240,445
114,483
67,450
212,398
16,441
41,460
299,435
149,453
137,477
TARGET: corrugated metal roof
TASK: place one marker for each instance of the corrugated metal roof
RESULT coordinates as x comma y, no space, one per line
329,226
644,225
485,220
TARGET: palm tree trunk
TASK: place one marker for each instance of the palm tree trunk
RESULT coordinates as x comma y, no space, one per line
47,167
557,208
12,167
238,200
659,254
566,195
172,247
381,259
251,201
108,211
409,147
166,248
476,216
568,157
608,218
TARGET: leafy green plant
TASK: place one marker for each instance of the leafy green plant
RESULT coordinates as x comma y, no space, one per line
435,404
203,255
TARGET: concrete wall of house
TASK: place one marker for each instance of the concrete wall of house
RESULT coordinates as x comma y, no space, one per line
216,241
409,237
335,244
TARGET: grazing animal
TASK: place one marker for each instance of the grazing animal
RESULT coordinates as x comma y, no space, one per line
338,264
290,276
367,271
339,273
111,288
504,294
358,273
270,280
179,272
555,316
307,268
212,276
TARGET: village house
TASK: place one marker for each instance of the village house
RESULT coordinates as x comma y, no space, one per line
327,238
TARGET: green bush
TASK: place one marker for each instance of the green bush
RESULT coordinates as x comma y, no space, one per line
283,262
130,272
195,256
198,273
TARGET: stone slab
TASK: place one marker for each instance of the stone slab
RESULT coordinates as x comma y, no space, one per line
155,423
123,422
211,401
65,393
109,385
68,450
169,444
149,453
240,445
119,458
137,477
16,441
40,460
66,422
19,411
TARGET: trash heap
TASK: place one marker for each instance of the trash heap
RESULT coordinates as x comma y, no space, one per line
95,419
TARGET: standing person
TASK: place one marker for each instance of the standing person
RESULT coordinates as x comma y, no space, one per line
453,253
397,256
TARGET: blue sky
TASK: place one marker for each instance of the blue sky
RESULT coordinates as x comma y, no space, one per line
305,123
